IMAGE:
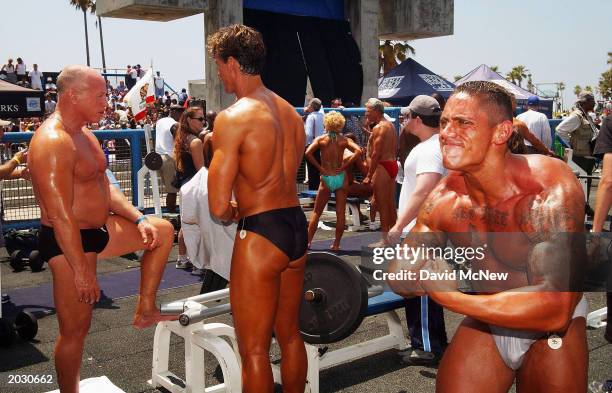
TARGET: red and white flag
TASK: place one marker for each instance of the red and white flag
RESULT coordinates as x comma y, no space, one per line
140,95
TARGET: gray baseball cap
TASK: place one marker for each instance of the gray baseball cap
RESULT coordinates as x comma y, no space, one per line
425,105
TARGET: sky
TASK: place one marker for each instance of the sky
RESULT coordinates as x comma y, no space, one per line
556,40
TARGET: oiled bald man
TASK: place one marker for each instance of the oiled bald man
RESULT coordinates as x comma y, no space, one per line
382,164
528,211
84,218
258,146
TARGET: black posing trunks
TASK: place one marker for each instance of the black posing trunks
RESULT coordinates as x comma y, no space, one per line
93,240
286,228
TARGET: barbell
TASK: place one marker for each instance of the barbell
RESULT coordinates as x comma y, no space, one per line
334,301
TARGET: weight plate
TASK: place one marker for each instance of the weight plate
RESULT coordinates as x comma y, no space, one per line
7,334
340,303
17,262
26,325
36,262
153,161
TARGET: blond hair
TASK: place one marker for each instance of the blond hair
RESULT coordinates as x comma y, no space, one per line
333,121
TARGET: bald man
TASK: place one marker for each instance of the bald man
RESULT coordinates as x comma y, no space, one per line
84,218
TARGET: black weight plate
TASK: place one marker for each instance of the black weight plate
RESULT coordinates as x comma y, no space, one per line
17,262
7,334
153,161
344,303
36,262
26,325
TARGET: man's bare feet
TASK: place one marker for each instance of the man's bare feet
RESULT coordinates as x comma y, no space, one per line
143,320
335,247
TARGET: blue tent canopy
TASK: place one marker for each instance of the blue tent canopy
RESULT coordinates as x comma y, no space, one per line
410,79
484,73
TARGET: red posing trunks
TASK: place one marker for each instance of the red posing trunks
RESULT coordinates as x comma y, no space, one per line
390,167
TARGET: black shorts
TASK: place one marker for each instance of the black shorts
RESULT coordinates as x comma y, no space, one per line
92,240
286,228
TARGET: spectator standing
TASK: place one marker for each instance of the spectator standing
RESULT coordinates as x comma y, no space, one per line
9,68
313,129
20,69
49,105
164,145
130,77
537,123
183,96
579,131
423,169
159,85
603,149
35,78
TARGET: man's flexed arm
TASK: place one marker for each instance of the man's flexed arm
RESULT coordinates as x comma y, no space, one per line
553,225
52,170
223,170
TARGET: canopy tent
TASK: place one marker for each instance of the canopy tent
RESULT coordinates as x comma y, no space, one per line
17,101
484,73
410,79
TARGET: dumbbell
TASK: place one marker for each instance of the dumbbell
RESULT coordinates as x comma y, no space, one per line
25,325
21,258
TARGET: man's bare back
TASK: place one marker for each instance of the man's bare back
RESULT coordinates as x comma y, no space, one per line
258,145
270,135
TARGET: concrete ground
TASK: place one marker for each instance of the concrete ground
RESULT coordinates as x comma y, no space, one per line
123,354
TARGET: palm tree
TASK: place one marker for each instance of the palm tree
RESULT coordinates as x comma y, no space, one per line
494,68
588,88
519,73
99,26
610,58
84,5
457,77
391,54
577,90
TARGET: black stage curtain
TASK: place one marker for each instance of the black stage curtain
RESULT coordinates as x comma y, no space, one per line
299,45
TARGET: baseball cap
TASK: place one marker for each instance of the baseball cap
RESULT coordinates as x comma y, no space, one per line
533,100
425,105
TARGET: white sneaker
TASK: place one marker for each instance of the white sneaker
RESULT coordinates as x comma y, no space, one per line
197,272
183,264
374,226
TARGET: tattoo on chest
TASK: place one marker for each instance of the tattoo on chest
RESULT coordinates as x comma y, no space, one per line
487,215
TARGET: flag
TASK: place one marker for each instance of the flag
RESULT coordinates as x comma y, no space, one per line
140,95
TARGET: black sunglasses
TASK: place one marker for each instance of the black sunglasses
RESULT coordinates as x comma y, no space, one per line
199,118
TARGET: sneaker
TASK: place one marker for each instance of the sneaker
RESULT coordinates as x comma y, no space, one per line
197,272
419,357
374,226
183,264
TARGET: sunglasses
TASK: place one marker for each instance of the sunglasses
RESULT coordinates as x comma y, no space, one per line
199,118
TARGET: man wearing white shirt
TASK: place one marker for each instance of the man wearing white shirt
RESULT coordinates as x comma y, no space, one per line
313,129
537,123
35,78
164,145
423,169
159,85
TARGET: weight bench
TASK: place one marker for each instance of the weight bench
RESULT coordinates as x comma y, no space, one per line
352,203
319,358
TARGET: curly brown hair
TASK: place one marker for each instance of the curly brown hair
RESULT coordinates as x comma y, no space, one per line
241,42
184,135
